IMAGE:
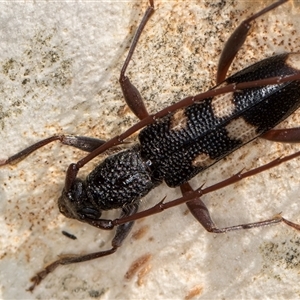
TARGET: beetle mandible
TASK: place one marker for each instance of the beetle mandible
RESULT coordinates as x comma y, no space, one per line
154,169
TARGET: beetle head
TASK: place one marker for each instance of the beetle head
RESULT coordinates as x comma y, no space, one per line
75,204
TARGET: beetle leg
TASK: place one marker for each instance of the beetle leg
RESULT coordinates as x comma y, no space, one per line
289,135
131,94
202,215
237,39
84,143
198,209
121,233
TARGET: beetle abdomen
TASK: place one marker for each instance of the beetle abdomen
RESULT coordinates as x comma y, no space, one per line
193,138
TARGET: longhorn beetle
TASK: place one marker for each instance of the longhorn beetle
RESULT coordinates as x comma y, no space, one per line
178,142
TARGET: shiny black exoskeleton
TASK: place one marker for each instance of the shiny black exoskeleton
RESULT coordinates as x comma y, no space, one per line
177,147
178,142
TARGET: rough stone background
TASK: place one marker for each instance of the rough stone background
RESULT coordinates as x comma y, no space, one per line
59,68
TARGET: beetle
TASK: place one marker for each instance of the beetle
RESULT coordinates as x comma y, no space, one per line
68,141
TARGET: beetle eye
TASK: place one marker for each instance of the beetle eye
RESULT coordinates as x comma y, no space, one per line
89,212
